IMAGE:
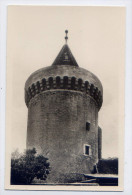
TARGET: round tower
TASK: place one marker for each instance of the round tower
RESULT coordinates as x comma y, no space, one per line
63,101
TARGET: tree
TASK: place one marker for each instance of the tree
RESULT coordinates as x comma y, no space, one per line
24,168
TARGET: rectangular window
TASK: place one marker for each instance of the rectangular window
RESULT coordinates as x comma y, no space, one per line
87,150
87,126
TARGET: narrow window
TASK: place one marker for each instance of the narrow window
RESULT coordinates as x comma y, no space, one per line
87,126
87,150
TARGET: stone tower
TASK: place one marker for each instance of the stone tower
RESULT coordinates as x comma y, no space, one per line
63,102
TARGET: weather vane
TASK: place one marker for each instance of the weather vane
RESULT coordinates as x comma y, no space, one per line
66,37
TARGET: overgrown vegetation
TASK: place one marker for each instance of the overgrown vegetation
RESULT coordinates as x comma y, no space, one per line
25,167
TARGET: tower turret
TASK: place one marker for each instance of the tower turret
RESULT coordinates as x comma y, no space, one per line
63,101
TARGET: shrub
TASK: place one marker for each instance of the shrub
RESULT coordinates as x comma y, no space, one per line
24,168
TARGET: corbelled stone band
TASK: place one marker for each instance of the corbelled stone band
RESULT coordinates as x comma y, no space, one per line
67,83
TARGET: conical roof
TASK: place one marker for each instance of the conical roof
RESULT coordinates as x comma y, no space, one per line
64,66
65,57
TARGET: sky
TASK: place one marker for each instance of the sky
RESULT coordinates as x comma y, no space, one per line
35,35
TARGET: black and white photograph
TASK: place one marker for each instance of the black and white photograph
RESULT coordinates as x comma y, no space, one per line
65,98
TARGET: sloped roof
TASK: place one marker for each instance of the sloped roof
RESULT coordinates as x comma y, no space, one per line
65,57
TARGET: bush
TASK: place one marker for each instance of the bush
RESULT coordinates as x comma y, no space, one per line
24,168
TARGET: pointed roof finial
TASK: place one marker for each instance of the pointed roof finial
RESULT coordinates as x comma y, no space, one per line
66,37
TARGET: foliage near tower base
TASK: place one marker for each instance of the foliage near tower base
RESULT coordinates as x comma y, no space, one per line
26,167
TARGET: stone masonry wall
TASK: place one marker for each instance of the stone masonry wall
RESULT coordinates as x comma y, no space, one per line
57,129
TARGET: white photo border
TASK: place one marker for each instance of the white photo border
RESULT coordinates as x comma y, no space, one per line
128,85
